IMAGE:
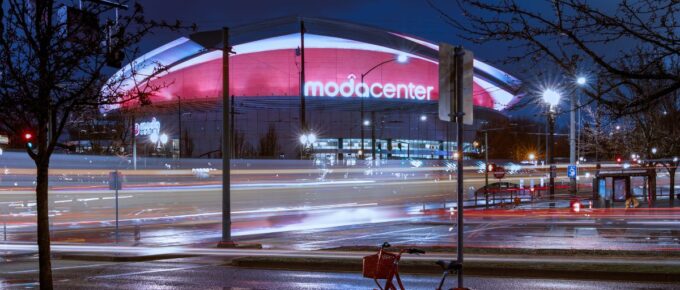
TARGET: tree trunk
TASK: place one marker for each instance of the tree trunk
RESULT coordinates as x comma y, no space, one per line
43,226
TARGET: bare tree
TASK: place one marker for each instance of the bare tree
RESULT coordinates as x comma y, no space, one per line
577,36
269,143
53,68
655,136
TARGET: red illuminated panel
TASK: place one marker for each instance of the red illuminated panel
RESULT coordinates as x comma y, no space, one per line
331,71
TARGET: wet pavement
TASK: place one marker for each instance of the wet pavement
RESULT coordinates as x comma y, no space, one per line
603,229
194,273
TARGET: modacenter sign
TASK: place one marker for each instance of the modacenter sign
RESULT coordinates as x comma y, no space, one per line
352,88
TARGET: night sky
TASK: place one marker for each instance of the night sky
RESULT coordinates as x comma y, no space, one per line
414,17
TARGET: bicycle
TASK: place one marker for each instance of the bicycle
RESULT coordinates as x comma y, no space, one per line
385,265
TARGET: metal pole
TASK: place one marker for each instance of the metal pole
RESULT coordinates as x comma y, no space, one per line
572,140
117,182
459,122
134,144
233,128
4,227
373,136
226,157
486,170
551,160
303,113
179,120
361,156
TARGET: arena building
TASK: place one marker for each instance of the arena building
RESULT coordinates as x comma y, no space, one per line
360,83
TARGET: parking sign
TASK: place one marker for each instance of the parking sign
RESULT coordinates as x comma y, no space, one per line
572,171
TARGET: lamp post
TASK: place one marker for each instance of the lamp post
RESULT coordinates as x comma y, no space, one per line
179,125
552,98
307,140
401,58
580,81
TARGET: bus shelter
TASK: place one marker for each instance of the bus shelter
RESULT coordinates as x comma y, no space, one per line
616,186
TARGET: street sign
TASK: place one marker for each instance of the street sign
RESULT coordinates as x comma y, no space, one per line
499,172
115,180
572,171
448,83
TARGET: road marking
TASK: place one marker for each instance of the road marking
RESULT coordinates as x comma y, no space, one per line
366,236
149,271
88,199
58,268
120,197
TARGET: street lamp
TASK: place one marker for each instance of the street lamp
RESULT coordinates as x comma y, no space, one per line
423,118
581,81
400,58
307,139
163,138
154,137
654,150
552,98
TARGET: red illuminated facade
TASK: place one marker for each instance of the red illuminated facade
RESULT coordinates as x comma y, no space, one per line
399,85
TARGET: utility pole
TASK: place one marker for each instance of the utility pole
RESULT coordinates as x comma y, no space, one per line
226,146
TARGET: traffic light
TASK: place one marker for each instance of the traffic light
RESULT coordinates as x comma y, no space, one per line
491,167
619,159
28,138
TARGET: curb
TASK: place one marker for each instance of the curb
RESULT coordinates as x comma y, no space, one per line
531,252
600,271
121,258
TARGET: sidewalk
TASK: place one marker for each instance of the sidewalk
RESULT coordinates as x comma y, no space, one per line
568,264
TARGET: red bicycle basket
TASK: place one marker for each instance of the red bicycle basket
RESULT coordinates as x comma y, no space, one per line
379,266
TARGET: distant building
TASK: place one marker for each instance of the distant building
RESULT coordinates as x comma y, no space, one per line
398,93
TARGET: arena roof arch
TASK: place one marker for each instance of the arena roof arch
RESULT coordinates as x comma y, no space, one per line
264,63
